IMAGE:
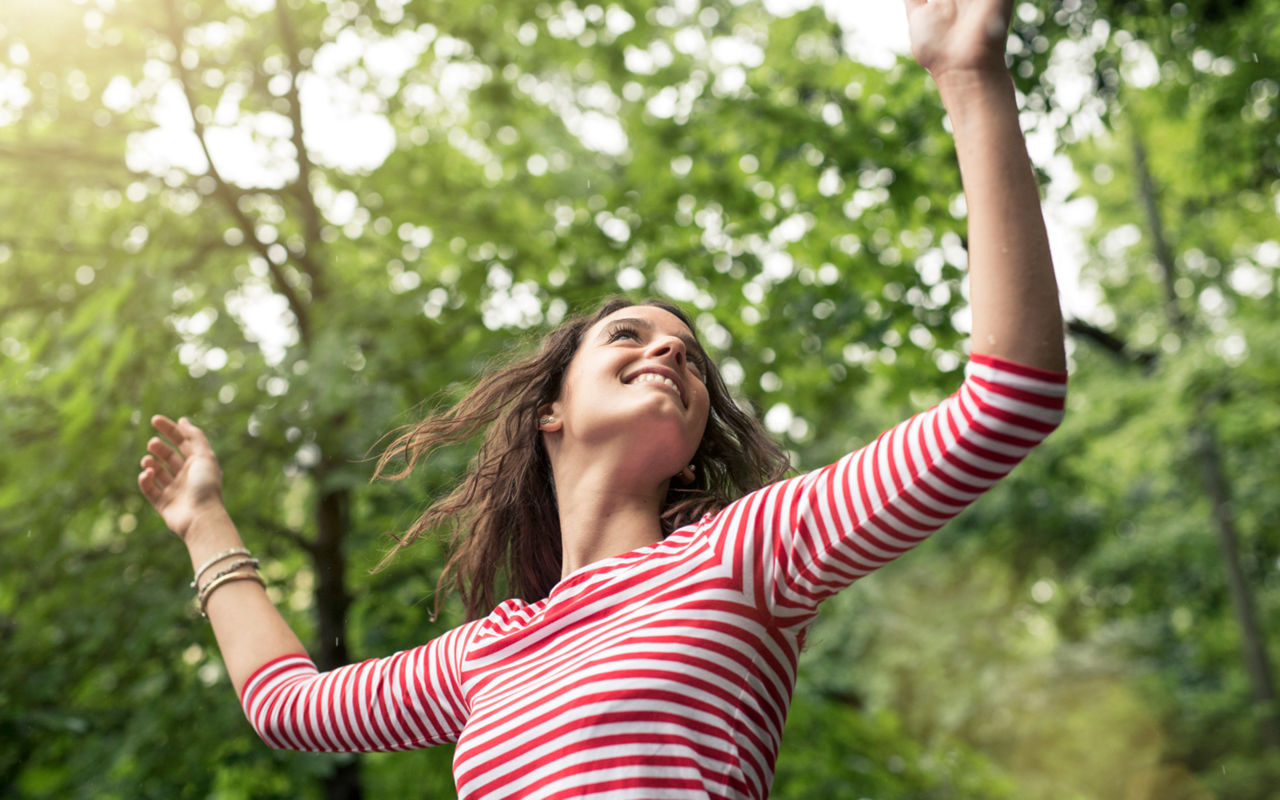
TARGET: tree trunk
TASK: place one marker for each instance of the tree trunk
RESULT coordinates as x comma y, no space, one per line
333,517
1252,640
1216,483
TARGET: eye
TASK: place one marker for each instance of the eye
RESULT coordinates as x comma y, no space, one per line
623,332
698,364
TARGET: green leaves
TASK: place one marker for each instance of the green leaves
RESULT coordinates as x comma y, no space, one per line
804,206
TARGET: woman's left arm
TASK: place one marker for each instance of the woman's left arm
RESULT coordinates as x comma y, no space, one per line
1013,294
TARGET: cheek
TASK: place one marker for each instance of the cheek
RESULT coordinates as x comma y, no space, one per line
560,405
570,379
583,377
703,402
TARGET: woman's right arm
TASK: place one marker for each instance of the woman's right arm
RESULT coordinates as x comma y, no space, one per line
410,699
249,629
183,482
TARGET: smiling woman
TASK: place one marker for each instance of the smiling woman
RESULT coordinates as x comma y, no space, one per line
506,524
659,575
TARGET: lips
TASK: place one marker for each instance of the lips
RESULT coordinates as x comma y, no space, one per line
660,375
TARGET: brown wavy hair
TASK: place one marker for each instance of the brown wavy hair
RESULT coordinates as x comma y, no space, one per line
503,519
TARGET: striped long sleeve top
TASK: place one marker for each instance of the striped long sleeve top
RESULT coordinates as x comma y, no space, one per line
667,671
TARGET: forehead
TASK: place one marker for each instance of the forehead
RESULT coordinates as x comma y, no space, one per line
660,319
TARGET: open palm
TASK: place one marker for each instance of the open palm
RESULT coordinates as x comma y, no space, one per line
959,35
180,482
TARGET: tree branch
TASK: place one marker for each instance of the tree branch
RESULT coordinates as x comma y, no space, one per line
1216,482
195,261
46,303
1146,359
60,157
302,186
287,533
1160,244
228,194
49,247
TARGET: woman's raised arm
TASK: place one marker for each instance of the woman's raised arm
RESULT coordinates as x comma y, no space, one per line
1012,290
181,479
410,699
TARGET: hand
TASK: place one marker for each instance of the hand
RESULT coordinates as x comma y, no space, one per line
959,36
181,484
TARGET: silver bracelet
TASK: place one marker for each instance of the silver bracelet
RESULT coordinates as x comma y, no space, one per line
234,566
211,586
235,551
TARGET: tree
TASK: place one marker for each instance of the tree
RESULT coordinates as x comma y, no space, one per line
519,161
1213,79
1113,532
135,284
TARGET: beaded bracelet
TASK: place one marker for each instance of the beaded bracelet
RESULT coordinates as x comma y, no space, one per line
235,551
225,579
246,562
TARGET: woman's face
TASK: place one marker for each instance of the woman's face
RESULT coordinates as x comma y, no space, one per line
637,379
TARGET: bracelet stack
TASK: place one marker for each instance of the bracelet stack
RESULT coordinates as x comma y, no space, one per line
232,572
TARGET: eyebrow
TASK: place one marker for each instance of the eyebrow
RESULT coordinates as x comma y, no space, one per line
690,343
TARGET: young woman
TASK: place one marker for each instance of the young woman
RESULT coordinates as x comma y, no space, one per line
651,646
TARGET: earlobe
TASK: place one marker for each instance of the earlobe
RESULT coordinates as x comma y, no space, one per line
548,422
686,474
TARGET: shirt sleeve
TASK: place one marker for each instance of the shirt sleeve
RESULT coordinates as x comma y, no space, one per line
409,700
799,541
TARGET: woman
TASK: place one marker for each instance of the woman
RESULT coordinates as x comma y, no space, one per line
651,650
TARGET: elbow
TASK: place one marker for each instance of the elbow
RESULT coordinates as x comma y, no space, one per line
274,703
270,717
1060,401
273,733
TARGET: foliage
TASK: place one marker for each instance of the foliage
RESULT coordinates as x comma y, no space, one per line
803,204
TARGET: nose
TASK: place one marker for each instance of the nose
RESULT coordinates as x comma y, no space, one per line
668,347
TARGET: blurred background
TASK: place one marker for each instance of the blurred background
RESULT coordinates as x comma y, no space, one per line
305,223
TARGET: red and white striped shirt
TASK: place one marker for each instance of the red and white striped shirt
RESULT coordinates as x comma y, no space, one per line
667,671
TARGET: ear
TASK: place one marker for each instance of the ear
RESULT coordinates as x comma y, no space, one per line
686,475
549,419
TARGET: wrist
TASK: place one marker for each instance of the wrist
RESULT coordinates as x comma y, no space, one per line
981,99
211,531
973,82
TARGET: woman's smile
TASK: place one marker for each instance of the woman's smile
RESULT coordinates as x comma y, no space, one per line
661,377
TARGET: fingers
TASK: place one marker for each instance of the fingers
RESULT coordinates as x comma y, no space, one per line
159,476
163,462
150,489
164,454
183,433
167,427
165,459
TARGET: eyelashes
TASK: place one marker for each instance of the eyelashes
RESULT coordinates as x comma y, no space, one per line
619,331
625,331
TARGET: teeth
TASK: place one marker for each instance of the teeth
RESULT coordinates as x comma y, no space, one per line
650,377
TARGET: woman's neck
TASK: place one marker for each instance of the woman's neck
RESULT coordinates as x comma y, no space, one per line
598,520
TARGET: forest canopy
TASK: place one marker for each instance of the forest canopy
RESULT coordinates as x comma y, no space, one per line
305,223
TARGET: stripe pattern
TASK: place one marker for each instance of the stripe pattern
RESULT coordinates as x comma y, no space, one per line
667,671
